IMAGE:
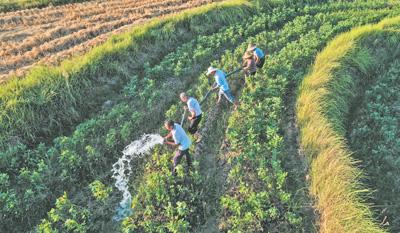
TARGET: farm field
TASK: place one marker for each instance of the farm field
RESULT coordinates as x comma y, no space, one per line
50,35
312,147
377,124
13,5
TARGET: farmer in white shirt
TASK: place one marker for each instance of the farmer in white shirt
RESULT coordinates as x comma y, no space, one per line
180,139
222,84
195,114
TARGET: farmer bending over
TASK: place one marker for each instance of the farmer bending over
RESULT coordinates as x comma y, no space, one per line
249,64
195,114
181,140
222,84
259,55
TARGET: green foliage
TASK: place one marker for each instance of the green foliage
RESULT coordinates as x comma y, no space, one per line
51,101
159,220
327,96
75,161
99,190
163,202
258,196
65,217
254,203
374,136
362,105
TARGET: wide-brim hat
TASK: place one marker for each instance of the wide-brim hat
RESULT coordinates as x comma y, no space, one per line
251,47
248,54
210,70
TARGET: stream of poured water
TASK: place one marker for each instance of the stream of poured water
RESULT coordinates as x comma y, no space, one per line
122,170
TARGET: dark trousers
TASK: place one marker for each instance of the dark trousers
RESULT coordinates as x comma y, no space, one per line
248,74
260,64
178,157
194,124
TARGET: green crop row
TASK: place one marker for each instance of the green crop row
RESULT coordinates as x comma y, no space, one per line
73,165
322,107
220,40
374,137
38,176
257,199
182,209
156,208
362,106
139,92
51,101
177,205
77,158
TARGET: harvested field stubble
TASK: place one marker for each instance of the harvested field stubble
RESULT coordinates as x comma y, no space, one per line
52,34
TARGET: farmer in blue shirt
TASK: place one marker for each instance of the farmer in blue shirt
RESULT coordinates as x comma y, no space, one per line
195,114
222,84
180,139
259,55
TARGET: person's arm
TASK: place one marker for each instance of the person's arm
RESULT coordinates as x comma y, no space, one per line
246,65
193,115
176,141
215,86
170,143
169,135
191,109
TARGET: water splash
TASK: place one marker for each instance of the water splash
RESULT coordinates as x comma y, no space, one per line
122,170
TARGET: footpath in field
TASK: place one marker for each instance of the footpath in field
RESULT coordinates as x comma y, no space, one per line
52,34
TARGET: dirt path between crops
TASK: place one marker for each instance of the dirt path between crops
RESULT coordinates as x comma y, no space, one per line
296,163
213,166
213,153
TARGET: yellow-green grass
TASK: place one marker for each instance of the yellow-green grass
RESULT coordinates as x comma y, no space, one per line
335,178
61,95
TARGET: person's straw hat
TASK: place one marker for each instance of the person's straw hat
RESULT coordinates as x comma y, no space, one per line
210,70
251,47
248,54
